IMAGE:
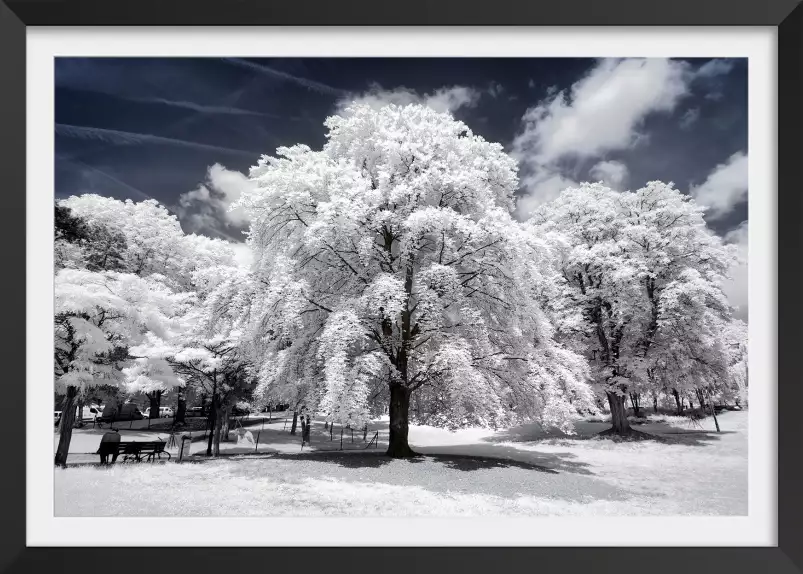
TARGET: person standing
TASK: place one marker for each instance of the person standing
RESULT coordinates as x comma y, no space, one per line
108,446
303,432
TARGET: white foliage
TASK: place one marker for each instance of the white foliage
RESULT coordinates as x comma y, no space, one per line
391,256
148,375
646,274
97,313
155,243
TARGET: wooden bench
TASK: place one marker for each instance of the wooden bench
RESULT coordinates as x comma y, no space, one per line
142,451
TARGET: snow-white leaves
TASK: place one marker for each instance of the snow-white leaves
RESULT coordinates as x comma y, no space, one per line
154,241
392,257
345,379
97,313
647,275
147,375
384,297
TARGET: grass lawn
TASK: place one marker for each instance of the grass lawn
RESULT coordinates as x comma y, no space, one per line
521,471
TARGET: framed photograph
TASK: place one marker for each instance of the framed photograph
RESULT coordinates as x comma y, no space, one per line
457,286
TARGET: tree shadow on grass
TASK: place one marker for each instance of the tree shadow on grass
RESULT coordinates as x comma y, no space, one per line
469,463
345,459
691,437
660,432
453,461
506,455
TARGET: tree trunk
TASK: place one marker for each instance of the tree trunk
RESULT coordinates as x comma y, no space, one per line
65,427
399,423
295,422
655,404
220,421
225,424
211,424
619,423
634,400
713,412
678,401
700,398
155,399
181,409
79,417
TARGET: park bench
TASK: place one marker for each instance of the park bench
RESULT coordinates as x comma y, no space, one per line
142,451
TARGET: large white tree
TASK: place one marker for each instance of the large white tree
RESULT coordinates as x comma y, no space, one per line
646,272
390,255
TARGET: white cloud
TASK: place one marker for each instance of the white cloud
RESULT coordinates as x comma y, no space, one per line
451,99
206,208
601,112
542,186
716,67
689,118
736,287
611,173
496,89
710,73
441,100
725,187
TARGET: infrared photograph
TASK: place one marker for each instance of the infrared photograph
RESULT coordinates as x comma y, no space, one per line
400,287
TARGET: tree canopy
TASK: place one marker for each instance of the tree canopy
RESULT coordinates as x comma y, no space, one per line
391,256
646,273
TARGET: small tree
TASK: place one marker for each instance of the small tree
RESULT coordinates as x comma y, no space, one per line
98,317
83,245
736,344
213,353
152,377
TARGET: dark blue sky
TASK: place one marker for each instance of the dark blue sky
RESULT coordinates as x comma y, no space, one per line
132,127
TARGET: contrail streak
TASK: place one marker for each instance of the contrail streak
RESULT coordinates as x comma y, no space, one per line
201,108
131,138
184,104
79,163
309,84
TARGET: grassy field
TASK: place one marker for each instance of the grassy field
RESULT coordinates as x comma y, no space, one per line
521,471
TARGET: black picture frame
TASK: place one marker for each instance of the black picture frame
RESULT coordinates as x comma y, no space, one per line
786,15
